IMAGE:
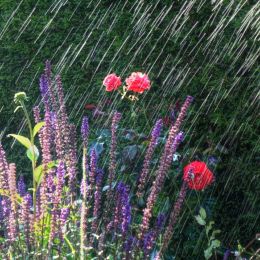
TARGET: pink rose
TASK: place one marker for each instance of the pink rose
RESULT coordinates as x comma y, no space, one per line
138,82
112,82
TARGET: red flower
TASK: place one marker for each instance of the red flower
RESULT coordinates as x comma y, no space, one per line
138,82
112,82
197,175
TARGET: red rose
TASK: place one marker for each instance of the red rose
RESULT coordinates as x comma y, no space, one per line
197,175
112,82
138,82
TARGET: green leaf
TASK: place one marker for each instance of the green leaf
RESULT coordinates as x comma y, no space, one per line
200,220
209,227
203,213
23,140
33,152
208,253
39,169
37,128
214,233
215,243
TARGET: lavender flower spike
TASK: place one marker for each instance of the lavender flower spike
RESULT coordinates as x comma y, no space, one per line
85,130
174,217
148,157
170,148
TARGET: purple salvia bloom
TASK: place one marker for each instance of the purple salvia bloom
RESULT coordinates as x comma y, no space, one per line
26,217
93,168
5,207
126,217
122,215
148,243
47,73
50,184
60,174
46,158
112,165
170,148
227,254
3,169
64,214
63,118
174,216
129,246
12,227
59,145
36,114
72,159
148,157
160,221
85,131
21,186
97,199
44,90
117,216
60,179
1,210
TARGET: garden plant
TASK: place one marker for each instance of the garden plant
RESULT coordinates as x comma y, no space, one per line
101,217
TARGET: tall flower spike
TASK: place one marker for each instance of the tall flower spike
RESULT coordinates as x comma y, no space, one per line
148,157
72,159
47,73
21,186
85,131
174,217
112,166
93,168
62,113
171,145
97,200
25,217
56,201
3,169
12,227
44,90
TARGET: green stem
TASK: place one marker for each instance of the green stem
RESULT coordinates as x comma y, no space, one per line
33,152
70,246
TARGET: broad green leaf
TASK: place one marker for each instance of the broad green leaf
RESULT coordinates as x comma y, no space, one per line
30,154
215,243
203,213
200,220
37,128
23,140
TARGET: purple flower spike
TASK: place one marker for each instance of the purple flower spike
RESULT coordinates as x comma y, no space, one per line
143,179
44,88
21,186
160,221
85,130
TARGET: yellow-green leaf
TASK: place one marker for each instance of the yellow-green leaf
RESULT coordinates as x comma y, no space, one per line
33,153
23,140
37,128
39,169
